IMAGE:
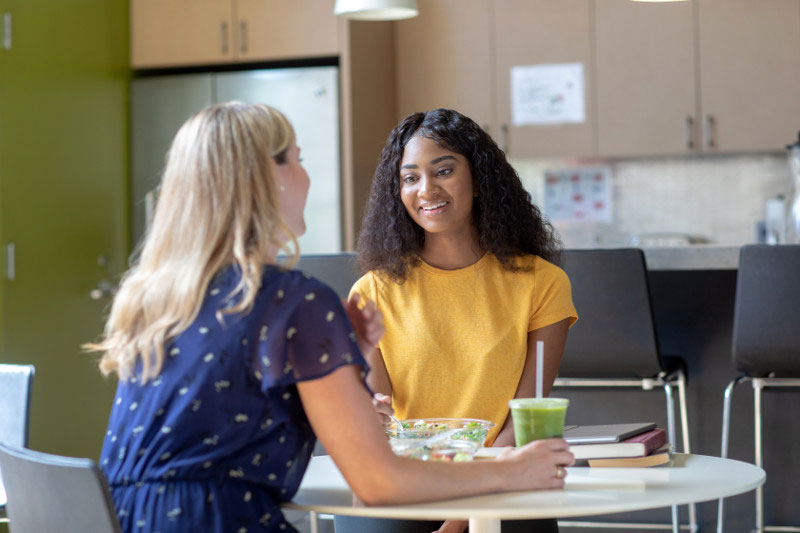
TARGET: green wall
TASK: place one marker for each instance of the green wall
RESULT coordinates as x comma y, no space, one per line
64,204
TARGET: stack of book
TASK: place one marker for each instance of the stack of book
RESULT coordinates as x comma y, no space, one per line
647,448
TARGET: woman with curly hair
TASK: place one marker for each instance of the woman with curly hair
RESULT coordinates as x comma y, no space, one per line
463,267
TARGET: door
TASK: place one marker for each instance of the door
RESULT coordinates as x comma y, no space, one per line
63,207
285,29
309,97
534,32
159,105
645,78
749,73
181,32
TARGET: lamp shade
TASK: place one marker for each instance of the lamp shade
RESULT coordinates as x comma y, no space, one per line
376,9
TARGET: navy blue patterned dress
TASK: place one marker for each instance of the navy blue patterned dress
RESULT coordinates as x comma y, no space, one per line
219,439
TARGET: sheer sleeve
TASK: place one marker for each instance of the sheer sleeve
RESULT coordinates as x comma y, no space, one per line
305,334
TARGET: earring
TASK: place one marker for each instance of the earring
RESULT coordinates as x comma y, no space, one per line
283,188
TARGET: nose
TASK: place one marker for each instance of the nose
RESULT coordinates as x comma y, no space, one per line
427,186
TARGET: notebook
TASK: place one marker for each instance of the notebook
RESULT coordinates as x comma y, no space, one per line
597,434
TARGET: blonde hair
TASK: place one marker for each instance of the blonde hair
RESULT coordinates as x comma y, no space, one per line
217,206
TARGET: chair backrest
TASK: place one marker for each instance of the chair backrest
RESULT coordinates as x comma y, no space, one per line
614,336
53,493
766,323
339,270
15,400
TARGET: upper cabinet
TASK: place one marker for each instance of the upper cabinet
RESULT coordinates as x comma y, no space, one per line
659,78
532,32
168,33
703,76
749,74
646,102
443,59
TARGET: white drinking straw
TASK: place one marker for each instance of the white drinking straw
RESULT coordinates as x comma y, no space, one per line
539,367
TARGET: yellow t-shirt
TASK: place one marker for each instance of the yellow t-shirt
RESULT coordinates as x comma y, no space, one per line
456,340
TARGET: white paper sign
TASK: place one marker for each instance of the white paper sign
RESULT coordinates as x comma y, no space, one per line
547,94
581,194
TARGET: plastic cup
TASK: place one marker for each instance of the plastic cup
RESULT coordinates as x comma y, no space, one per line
537,418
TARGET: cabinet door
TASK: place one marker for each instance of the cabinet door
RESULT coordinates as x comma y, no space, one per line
646,103
444,59
749,73
531,32
282,29
180,32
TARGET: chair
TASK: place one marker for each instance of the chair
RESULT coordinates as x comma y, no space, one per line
766,340
15,401
338,270
53,493
614,342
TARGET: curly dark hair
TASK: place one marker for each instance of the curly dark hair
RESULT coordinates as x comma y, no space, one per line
508,223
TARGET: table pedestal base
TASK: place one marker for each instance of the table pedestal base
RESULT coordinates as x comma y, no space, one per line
484,525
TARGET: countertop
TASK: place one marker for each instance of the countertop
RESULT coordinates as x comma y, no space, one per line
694,257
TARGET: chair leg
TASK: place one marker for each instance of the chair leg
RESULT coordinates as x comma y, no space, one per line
758,385
685,434
671,433
726,424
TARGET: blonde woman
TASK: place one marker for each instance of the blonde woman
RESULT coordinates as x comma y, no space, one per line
229,364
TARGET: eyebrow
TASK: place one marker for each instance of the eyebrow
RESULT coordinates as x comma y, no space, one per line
433,161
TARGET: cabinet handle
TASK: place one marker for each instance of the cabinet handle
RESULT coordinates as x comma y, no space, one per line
6,31
243,36
688,134
223,35
11,261
504,137
709,131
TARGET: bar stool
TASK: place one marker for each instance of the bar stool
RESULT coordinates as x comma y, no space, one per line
614,342
766,341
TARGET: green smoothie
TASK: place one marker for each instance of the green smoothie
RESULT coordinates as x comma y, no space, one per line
537,418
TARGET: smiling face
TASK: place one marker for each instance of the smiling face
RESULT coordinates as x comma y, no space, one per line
293,182
436,187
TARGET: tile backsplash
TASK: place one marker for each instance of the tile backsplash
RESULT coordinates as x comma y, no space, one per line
711,198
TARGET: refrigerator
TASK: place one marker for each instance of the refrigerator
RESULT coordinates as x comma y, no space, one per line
308,96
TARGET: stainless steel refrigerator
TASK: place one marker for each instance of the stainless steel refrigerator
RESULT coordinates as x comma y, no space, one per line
308,96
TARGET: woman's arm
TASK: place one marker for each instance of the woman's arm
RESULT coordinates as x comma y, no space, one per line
341,414
367,322
554,337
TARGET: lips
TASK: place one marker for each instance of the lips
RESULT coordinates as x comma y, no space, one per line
433,208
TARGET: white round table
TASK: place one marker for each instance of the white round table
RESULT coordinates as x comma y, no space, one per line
588,491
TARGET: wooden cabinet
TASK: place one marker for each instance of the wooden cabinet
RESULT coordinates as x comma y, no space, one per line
706,76
530,32
168,33
646,83
443,59
749,55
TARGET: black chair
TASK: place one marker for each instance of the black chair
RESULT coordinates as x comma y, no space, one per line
16,382
766,340
338,270
614,342
53,493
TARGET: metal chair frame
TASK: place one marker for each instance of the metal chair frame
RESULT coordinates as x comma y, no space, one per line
23,375
667,382
759,384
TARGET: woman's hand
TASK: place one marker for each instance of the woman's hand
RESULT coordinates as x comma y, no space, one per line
367,323
453,526
383,406
539,464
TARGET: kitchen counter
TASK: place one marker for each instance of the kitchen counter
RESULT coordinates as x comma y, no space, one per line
697,257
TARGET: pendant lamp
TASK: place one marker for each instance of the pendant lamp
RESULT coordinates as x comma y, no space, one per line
376,9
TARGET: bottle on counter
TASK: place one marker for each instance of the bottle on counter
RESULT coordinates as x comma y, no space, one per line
793,212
